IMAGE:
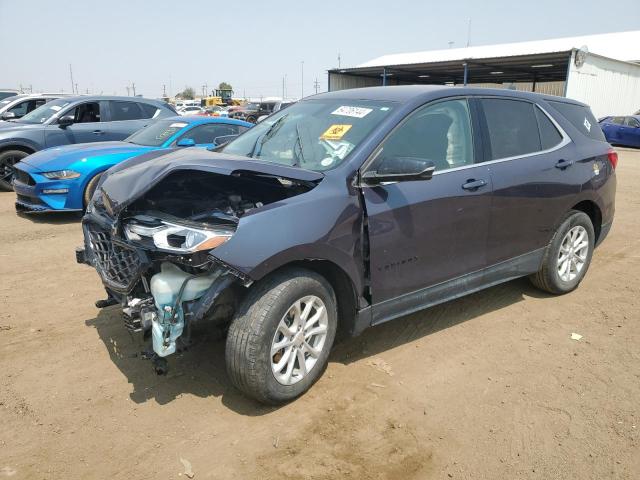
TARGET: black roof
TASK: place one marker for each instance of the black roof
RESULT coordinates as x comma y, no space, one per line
411,93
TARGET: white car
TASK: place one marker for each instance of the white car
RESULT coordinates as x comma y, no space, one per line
191,110
17,106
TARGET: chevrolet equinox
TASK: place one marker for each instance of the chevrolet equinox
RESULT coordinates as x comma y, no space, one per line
346,210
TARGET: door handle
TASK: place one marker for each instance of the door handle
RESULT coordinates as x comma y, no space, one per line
473,184
97,132
562,164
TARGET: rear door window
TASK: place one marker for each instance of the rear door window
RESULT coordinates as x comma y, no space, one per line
126,111
632,122
549,134
581,118
512,127
149,111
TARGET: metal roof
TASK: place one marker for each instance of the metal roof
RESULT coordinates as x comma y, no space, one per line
623,46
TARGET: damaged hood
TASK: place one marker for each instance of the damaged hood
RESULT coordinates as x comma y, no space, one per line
128,181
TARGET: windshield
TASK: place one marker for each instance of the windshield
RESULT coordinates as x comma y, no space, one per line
45,112
314,134
157,133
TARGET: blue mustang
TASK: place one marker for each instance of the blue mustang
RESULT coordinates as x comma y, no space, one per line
64,178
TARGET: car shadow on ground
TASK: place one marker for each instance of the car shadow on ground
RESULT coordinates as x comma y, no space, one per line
201,370
52,218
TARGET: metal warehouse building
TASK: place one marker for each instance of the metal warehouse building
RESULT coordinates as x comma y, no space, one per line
600,70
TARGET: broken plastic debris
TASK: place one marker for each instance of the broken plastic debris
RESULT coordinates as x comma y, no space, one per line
576,336
188,471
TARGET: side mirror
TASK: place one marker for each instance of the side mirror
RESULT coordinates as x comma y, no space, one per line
400,169
64,122
8,116
186,142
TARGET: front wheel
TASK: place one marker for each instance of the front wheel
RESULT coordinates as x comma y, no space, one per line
7,160
568,255
279,342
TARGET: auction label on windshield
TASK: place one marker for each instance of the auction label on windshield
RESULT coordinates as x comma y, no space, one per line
356,112
335,132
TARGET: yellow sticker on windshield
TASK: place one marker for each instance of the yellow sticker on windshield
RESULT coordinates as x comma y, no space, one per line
335,132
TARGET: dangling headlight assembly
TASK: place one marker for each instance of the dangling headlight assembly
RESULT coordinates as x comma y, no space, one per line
178,238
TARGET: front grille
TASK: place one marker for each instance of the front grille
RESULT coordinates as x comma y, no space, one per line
118,264
23,177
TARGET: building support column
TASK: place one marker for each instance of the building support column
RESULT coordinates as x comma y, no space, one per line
466,73
384,76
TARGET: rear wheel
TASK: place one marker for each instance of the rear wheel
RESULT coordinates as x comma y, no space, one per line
251,119
568,255
90,189
7,160
279,342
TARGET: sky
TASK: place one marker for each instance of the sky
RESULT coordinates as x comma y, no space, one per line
256,45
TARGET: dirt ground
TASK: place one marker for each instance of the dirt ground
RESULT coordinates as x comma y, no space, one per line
490,386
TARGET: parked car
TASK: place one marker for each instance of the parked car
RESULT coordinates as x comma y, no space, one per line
347,210
13,108
191,110
74,120
624,131
279,106
252,111
64,178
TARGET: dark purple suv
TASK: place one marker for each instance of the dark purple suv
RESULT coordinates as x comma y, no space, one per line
346,210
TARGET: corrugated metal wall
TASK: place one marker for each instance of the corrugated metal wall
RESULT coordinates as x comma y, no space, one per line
609,86
339,81
548,88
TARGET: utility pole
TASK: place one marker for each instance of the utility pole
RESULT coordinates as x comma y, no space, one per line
302,79
283,87
339,60
164,91
469,32
133,87
71,75
127,87
77,91
316,85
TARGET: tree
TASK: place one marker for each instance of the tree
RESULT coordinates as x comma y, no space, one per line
225,86
188,93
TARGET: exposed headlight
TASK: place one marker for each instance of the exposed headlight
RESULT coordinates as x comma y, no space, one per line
61,175
178,238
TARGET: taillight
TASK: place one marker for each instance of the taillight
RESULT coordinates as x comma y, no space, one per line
612,155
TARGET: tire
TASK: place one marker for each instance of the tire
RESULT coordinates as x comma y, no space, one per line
90,189
250,119
551,277
7,160
257,326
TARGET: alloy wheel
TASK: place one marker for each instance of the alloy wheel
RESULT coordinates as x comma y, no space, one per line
299,340
573,253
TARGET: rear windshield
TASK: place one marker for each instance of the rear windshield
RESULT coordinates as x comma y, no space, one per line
581,118
156,134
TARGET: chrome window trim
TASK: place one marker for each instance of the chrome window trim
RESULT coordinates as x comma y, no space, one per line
566,140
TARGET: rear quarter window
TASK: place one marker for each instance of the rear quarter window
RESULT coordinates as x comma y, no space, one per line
549,134
581,118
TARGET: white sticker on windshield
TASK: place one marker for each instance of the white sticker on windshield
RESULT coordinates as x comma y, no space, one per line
356,112
177,125
55,107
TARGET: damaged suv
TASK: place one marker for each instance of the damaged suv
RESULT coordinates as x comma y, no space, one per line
346,210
